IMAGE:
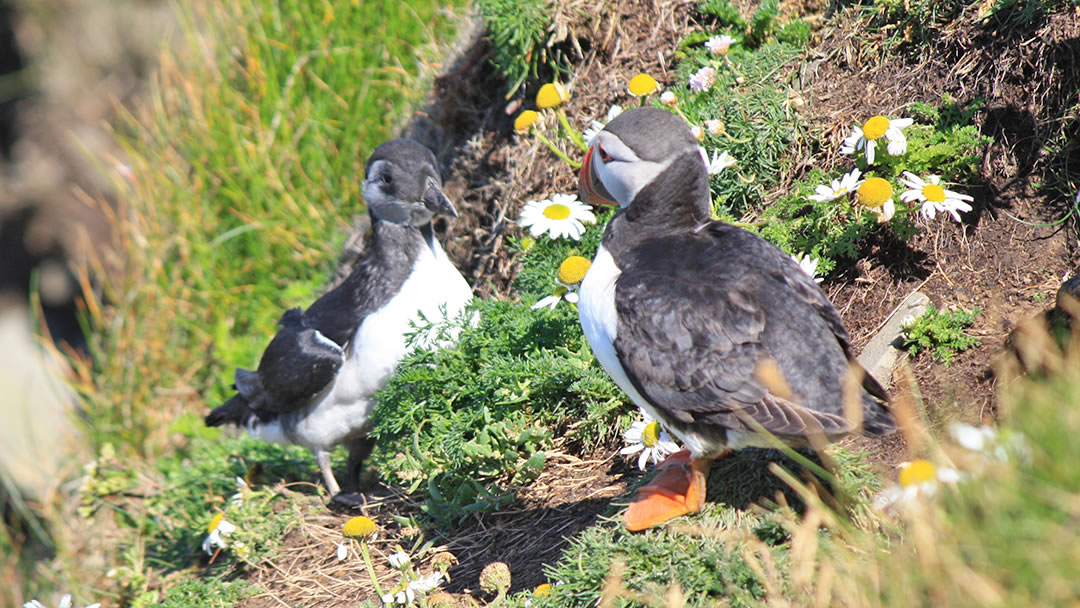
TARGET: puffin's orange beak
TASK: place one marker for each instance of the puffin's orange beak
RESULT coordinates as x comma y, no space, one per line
591,189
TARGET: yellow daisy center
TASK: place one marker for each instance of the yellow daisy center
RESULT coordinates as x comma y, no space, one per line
875,127
359,527
551,95
556,211
642,84
874,192
934,193
918,472
542,589
525,120
651,434
215,522
573,269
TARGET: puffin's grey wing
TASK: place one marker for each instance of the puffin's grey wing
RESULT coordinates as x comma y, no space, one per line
298,364
691,338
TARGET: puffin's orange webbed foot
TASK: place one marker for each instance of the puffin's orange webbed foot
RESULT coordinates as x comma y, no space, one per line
678,489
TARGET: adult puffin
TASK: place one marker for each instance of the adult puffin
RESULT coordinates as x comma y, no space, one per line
316,380
707,327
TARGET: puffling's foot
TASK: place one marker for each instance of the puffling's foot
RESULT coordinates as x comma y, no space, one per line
351,500
678,489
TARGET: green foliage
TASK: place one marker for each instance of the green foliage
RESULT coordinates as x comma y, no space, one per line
519,32
725,12
941,142
762,23
707,569
758,124
826,230
212,593
470,424
796,32
941,332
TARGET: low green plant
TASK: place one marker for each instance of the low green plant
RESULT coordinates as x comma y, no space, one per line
467,425
756,126
519,35
941,333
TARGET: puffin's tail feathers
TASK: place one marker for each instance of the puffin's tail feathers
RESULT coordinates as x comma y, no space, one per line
235,411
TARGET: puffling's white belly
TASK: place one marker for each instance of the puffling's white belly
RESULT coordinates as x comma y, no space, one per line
434,290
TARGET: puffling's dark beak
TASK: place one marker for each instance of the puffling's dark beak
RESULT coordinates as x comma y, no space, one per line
436,201
590,188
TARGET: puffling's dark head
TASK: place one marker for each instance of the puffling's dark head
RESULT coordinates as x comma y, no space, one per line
632,151
403,186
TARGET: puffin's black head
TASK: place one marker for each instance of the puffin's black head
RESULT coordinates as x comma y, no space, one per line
403,184
635,150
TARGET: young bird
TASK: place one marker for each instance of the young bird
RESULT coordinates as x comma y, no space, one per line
316,381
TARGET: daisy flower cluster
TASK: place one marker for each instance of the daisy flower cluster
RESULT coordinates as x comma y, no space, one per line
881,134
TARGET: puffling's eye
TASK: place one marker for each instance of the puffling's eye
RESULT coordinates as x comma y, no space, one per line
604,156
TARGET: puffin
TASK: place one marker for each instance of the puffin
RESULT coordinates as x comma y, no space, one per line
316,380
714,332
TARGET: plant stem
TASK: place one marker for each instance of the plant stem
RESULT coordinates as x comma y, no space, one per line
555,150
571,131
370,568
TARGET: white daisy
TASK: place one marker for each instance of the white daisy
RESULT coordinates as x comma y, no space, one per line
562,215
237,499
65,602
571,273
808,265
877,194
596,126
703,79
842,187
917,478
646,436
933,197
867,136
718,45
720,161
987,441
398,560
218,529
427,583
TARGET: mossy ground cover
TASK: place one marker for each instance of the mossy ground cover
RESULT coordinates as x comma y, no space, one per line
250,153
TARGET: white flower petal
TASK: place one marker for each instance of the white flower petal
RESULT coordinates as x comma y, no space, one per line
342,551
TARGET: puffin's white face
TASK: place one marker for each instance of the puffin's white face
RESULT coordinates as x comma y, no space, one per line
614,173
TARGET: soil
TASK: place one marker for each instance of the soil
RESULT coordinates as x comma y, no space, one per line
1007,257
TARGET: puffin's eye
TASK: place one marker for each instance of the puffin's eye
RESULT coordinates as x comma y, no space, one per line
604,156
386,179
